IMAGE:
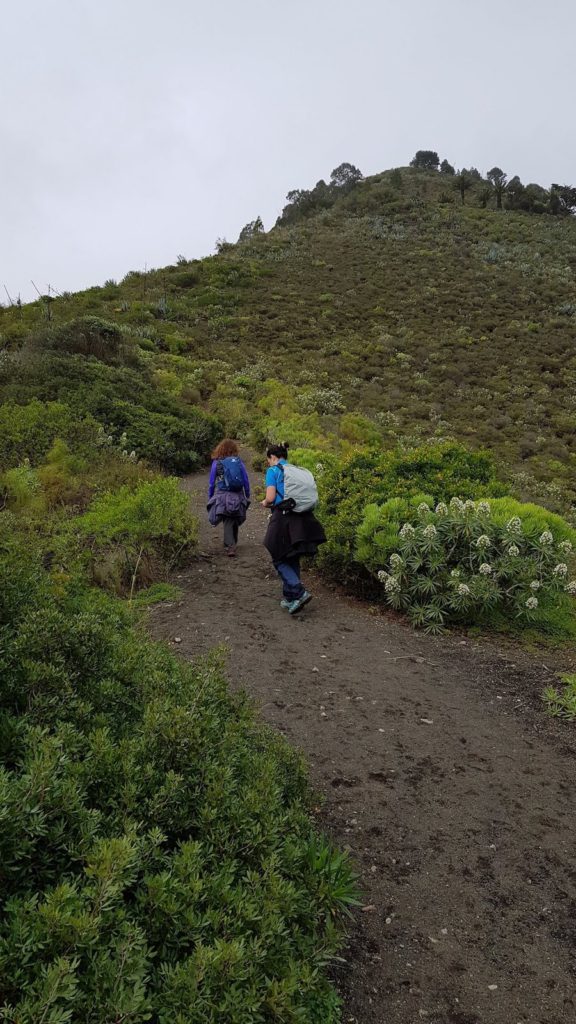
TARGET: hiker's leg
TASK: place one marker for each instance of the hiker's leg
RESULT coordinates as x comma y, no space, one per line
236,527
229,538
289,572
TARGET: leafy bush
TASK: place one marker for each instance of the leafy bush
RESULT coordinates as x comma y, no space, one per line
29,431
132,534
465,563
158,427
372,476
87,336
159,862
177,443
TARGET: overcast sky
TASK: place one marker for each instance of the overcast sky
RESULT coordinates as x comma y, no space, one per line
136,130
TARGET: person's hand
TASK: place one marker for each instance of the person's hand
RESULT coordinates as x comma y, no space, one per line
264,504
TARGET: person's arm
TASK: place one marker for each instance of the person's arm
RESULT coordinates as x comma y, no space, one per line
270,496
212,480
270,489
246,481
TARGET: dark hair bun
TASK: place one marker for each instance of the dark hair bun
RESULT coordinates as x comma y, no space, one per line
286,445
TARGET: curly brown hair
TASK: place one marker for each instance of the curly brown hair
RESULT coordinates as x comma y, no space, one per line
226,448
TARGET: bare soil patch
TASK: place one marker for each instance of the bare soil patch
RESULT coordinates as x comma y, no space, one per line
437,769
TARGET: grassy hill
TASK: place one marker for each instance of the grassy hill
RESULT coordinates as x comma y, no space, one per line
432,318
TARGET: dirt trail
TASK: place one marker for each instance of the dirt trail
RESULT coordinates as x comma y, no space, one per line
439,771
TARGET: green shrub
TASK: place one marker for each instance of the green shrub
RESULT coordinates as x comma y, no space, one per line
465,563
179,444
87,336
159,863
135,534
29,431
372,476
157,426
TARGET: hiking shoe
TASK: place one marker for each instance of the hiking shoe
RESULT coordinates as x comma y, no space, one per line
284,603
295,606
231,551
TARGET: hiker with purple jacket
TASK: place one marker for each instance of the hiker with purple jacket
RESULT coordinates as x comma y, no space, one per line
228,492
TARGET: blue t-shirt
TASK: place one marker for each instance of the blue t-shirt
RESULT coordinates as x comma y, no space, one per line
275,478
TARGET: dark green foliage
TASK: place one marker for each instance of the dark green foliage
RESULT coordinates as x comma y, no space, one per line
446,168
157,860
497,179
254,227
122,399
87,336
425,160
564,198
304,203
463,183
345,176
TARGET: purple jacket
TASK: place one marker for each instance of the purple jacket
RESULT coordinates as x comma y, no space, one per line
227,505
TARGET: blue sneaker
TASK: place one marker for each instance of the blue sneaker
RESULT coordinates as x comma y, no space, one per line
284,603
295,606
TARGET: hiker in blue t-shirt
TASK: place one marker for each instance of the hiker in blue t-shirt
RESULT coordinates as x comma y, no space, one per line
228,492
290,534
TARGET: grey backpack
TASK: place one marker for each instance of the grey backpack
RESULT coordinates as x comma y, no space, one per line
299,487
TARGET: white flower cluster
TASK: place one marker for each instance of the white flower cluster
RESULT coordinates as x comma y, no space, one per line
546,537
570,588
514,525
455,574
383,575
392,585
423,507
407,531
319,467
463,590
457,505
483,541
430,531
532,603
485,569
396,560
441,508
483,508
469,505
513,550
565,547
561,569
535,585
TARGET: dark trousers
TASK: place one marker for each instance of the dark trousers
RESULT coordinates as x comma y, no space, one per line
289,572
231,527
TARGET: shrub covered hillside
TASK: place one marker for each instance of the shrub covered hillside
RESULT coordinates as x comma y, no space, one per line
389,297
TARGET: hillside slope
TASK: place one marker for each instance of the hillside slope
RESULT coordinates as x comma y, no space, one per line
430,317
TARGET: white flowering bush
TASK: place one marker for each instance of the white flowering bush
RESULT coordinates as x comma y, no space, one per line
471,562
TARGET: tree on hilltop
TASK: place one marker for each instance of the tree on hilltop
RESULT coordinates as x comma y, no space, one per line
497,179
463,182
254,227
562,198
446,168
425,160
345,176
